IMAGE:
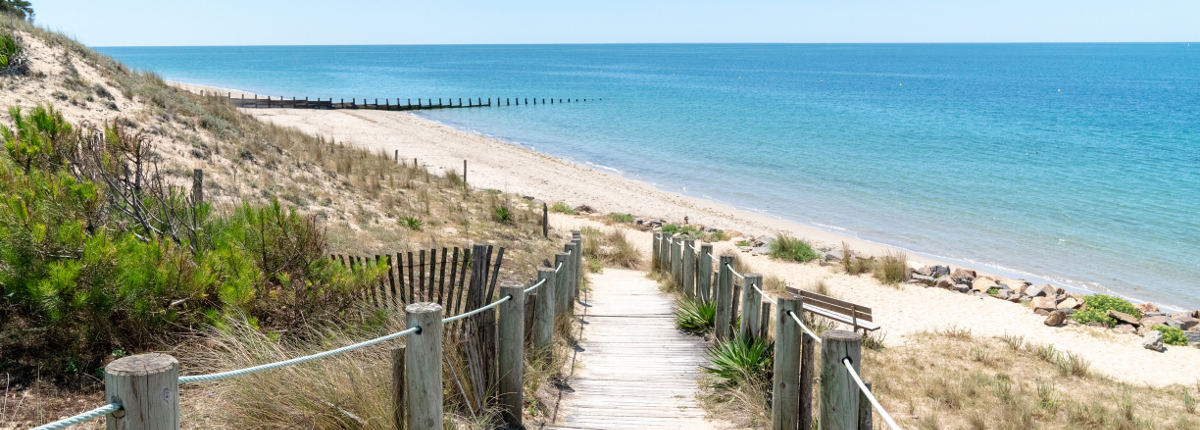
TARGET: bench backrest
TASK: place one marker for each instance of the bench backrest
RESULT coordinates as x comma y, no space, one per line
854,311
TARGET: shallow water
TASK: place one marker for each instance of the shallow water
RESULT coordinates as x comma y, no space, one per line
1072,162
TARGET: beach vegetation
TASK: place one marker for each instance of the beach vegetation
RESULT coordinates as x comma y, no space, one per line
502,214
620,218
1189,402
891,268
22,9
789,248
852,265
1096,307
740,360
412,223
12,56
695,316
562,208
743,243
609,249
1171,335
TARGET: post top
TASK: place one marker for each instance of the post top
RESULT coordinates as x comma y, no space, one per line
561,255
422,308
542,270
513,284
840,336
141,364
727,255
706,246
753,275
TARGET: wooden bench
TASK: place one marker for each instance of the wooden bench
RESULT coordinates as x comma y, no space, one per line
858,316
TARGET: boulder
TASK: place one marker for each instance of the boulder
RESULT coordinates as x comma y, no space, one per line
1125,328
1124,318
1070,303
1159,320
1095,324
1015,284
963,276
1187,323
1153,341
1056,319
923,271
1193,337
962,288
1043,303
982,284
1038,290
584,209
1003,292
944,282
923,278
1146,307
939,271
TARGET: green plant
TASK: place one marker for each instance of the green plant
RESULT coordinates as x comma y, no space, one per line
1171,335
892,268
743,243
411,223
20,8
1096,307
12,57
620,217
1047,399
501,214
562,207
853,266
740,359
1071,365
785,247
695,316
992,291
1189,402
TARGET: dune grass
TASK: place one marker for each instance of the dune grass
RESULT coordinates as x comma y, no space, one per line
789,248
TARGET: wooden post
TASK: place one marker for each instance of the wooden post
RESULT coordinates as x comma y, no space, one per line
511,358
724,317
545,221
864,408
676,267
764,318
704,273
464,174
689,267
423,366
563,281
785,397
839,394
751,304
807,362
665,249
543,318
147,387
197,186
654,253
577,243
399,410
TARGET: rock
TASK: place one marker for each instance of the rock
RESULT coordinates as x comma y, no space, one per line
1159,320
962,288
982,284
1055,319
1147,307
1041,312
1043,303
1015,285
977,293
1070,303
1037,290
1124,318
939,271
1187,323
944,282
923,271
963,276
584,209
1153,341
1004,293
1193,337
1016,297
1125,328
1095,324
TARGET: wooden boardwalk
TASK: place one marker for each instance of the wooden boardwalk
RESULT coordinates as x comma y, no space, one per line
636,370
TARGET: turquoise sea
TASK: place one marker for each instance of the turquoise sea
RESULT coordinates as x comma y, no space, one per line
1075,163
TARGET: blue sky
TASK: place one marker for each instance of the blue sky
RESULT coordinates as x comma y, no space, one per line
307,22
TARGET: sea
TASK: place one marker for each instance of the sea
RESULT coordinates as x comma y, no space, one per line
1076,164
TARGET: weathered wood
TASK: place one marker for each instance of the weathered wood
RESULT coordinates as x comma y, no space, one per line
147,387
751,304
399,404
665,249
562,281
724,315
704,273
654,251
736,310
442,279
477,338
421,278
423,366
391,278
849,309
764,319
676,264
511,357
412,280
785,397
807,363
495,272
577,241
197,187
545,220
839,394
864,409
452,295
689,267
543,320
404,298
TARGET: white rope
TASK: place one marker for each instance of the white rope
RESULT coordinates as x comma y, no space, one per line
804,327
559,268
886,418
735,273
535,286
86,416
494,304
764,295
297,360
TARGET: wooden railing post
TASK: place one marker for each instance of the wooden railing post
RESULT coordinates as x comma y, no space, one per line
785,397
563,280
689,267
423,366
724,317
655,258
751,304
543,317
147,387
399,404
704,273
511,358
807,361
839,394
577,243
676,266
664,250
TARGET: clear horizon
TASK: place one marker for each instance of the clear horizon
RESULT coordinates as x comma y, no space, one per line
376,22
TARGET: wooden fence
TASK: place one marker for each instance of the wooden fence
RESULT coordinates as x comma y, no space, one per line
264,102
142,390
742,310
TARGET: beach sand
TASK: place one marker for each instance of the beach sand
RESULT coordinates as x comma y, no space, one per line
901,311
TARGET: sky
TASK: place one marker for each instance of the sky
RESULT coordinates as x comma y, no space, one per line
309,22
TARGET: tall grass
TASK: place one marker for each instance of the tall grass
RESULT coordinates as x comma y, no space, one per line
892,268
609,249
785,247
695,316
853,266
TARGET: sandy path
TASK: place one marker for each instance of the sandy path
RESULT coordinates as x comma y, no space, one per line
637,371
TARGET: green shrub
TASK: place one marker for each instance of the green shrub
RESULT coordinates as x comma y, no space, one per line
1096,308
501,214
892,268
743,243
562,207
621,218
740,359
695,316
1171,335
785,247
411,223
12,56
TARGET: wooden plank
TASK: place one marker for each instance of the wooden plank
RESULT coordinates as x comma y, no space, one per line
442,279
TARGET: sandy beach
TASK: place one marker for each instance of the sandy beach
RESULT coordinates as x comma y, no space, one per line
901,311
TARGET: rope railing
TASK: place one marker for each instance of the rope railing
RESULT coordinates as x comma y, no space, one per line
734,271
871,397
804,327
764,295
535,286
81,418
467,314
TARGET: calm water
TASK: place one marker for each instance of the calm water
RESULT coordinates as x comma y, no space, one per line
1076,163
